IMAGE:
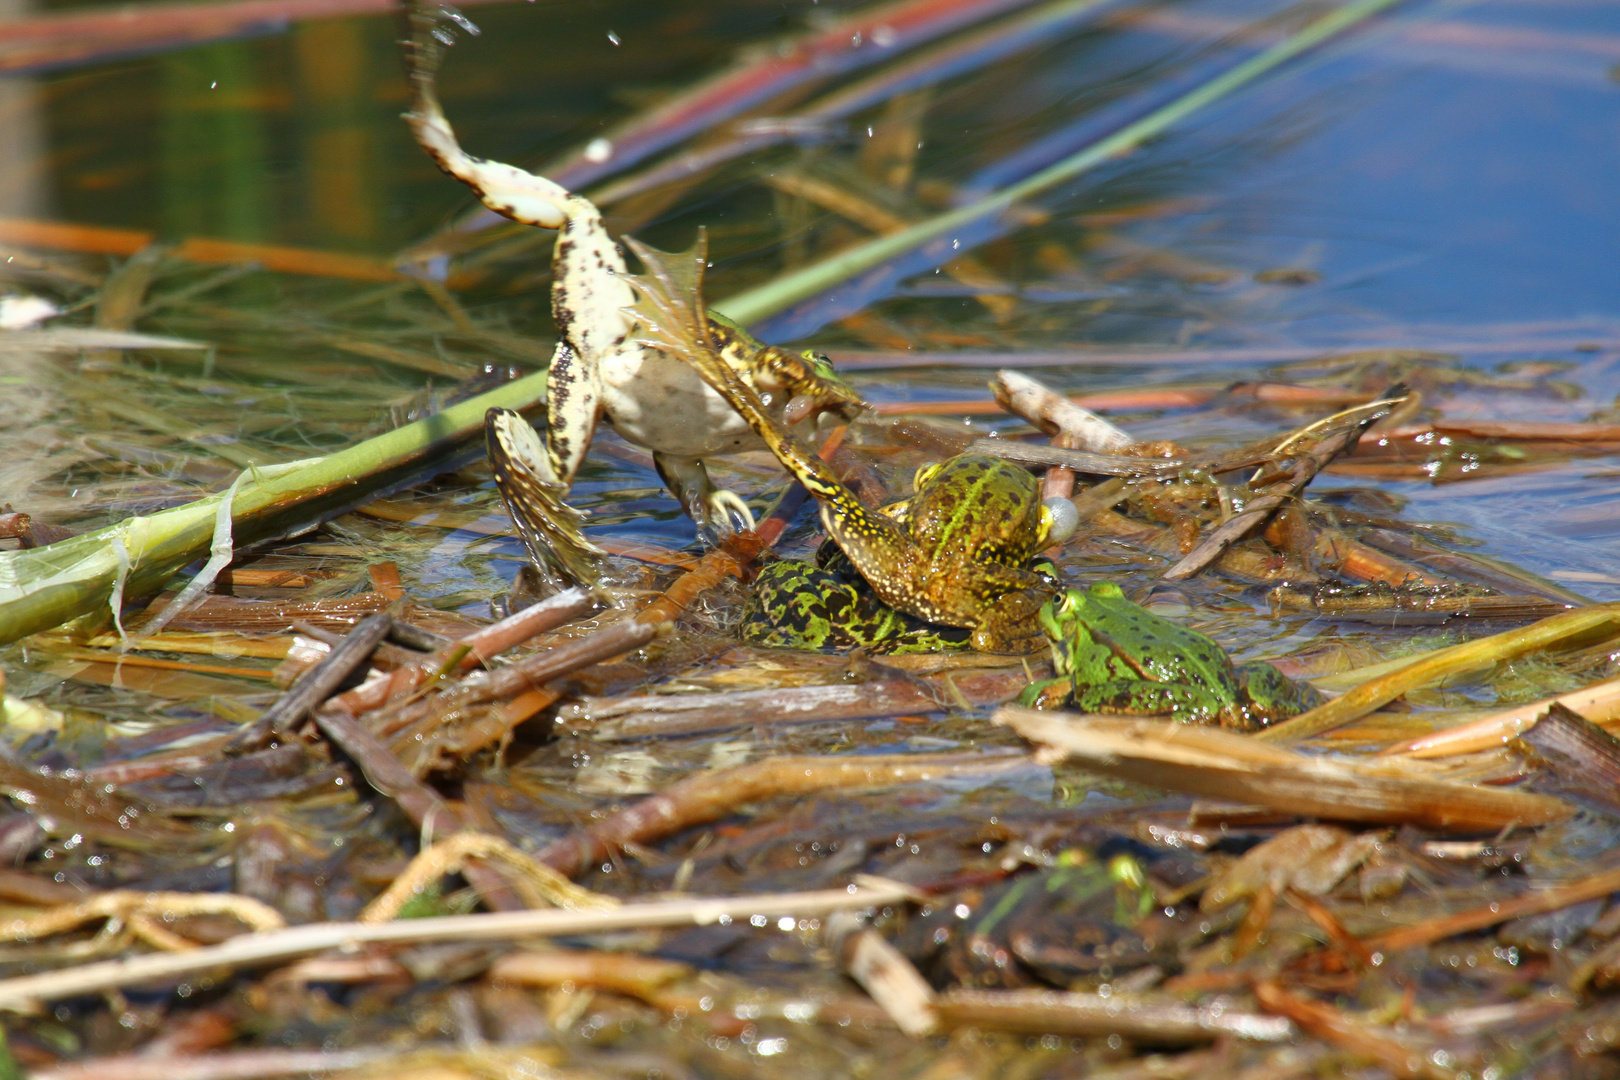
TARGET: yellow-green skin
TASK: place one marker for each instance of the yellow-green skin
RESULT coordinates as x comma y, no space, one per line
952,555
973,504
969,510
957,556
799,605
1114,656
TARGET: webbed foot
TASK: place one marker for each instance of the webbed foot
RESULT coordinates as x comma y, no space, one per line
509,191
717,512
727,509
551,529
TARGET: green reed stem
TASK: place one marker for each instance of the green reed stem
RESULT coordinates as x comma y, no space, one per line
45,587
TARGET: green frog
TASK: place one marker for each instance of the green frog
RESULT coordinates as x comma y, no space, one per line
800,605
599,370
954,557
1114,656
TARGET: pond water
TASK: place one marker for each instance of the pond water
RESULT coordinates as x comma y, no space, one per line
1441,178
1429,196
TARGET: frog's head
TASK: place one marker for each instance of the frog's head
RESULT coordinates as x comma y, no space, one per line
1061,618
831,393
1063,612
824,392
1056,521
1069,616
821,364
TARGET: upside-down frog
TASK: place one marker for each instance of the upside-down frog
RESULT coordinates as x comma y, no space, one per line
599,370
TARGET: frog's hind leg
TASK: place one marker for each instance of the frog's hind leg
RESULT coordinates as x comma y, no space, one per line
718,512
534,494
509,191
1131,697
1267,696
573,409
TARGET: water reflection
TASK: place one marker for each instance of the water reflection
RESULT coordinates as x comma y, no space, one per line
213,145
23,180
338,119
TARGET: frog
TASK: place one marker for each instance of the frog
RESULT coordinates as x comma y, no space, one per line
599,371
800,605
1114,656
955,557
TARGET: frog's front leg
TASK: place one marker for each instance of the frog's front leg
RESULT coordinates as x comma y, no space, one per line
716,510
1008,621
1047,693
1133,697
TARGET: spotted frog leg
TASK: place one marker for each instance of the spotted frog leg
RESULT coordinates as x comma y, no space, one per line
597,371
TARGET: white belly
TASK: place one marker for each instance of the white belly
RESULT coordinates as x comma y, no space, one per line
654,400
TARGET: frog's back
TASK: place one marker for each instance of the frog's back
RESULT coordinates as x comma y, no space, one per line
977,509
1160,650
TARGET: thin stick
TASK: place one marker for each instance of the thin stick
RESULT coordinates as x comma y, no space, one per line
756,304
430,813
1081,461
1152,397
385,773
1156,1018
884,973
255,1064
314,686
67,236
1306,466
1054,414
1506,340
728,560
663,715
1338,1028
713,794
26,992
604,644
1499,911
1599,703
1582,623
1218,764
473,649
415,637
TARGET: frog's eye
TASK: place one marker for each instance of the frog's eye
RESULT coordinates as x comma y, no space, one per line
925,474
818,362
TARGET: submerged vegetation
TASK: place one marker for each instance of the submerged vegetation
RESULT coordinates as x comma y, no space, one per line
298,780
